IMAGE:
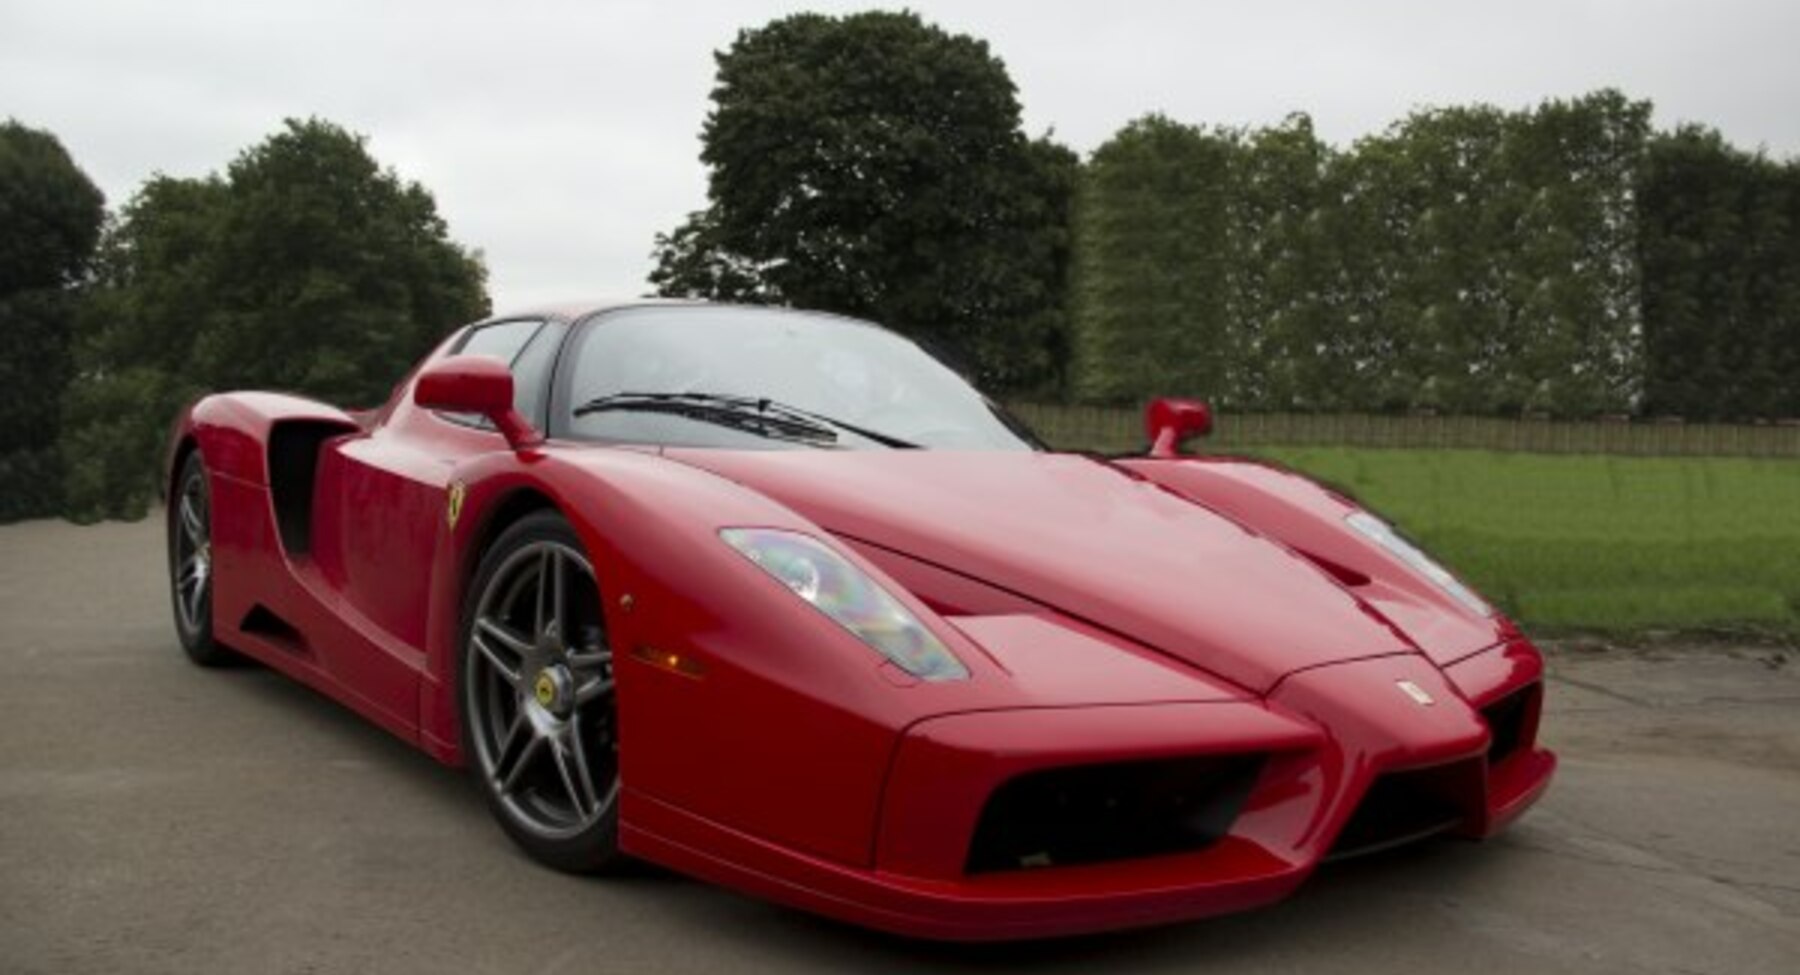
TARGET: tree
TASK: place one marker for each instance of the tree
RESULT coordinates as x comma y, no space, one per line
1283,266
873,165
1720,249
50,219
1153,255
305,267
1467,259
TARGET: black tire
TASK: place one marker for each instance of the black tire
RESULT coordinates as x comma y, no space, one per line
560,798
190,565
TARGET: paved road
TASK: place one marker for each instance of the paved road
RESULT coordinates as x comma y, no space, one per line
158,818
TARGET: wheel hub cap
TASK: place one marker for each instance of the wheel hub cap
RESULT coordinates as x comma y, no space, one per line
553,690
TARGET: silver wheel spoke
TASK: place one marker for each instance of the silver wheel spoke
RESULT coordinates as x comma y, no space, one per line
190,520
546,567
593,690
508,672
503,635
572,781
557,604
591,660
583,776
520,746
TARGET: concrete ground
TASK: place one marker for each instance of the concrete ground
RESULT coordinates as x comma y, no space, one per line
159,818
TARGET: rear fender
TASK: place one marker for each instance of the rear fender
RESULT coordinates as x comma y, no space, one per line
232,430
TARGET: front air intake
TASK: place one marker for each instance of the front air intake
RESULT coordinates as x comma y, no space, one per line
1401,807
1096,813
1506,720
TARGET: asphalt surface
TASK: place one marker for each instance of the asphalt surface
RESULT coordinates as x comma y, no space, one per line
159,818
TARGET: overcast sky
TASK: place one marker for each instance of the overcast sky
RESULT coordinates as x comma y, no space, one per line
560,135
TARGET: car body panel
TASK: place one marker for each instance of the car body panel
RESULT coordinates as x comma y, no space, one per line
1077,534
1309,518
1108,612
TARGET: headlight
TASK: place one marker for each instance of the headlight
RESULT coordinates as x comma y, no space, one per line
841,591
1383,534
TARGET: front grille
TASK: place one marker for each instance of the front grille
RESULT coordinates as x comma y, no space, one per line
1096,813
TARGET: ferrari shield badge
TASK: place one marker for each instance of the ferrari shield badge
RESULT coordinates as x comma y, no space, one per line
1417,693
453,508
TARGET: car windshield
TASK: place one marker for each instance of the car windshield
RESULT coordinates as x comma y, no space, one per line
765,378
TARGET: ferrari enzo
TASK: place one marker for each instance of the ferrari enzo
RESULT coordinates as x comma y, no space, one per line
779,600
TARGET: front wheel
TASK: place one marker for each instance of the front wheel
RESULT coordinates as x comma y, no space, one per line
540,725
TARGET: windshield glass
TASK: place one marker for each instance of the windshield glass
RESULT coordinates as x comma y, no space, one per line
868,388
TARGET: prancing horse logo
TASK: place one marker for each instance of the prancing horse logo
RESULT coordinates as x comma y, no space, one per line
1416,692
453,510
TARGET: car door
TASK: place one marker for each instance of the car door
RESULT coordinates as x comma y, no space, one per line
382,504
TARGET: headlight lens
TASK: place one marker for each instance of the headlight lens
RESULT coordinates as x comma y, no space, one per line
1383,534
843,592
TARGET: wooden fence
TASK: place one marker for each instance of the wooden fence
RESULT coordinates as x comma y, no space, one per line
1113,429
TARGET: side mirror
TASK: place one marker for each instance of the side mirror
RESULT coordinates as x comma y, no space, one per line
476,384
1172,422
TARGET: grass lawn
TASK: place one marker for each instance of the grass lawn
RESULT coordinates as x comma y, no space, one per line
1590,542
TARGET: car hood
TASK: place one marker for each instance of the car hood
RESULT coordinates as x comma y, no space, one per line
1087,539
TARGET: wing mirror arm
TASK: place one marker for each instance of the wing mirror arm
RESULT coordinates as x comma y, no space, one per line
1172,422
480,385
517,430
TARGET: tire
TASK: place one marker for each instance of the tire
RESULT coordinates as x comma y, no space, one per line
191,564
536,698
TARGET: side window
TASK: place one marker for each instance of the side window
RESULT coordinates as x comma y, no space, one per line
531,375
503,341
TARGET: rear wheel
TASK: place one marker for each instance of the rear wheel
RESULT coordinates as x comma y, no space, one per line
539,720
191,564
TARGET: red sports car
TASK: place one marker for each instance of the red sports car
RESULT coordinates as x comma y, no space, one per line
779,600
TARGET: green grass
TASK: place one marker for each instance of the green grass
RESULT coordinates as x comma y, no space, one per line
1602,543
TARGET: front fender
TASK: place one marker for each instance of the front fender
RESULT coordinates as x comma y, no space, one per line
1309,518
778,722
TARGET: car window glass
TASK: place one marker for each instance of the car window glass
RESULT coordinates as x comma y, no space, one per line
837,368
503,341
531,374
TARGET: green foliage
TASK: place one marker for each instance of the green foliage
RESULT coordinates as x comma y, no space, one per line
50,212
1153,268
873,165
1720,244
1466,260
50,219
305,267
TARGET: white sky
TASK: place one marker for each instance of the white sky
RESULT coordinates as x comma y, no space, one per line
560,135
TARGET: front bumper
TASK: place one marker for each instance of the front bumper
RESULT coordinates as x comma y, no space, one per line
1326,740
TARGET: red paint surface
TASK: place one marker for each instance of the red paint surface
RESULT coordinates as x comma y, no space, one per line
1105,611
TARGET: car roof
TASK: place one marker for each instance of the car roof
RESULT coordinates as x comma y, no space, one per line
572,311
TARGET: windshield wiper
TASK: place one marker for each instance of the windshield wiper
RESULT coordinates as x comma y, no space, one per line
762,410
727,415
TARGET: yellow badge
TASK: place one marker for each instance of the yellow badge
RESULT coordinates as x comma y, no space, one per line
545,689
454,510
